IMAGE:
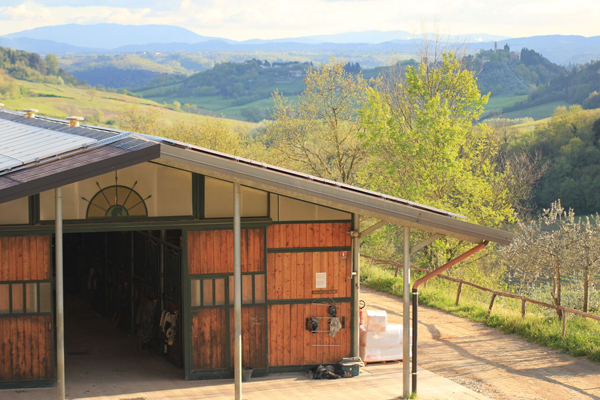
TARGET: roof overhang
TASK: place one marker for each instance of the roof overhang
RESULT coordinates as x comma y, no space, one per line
331,196
71,169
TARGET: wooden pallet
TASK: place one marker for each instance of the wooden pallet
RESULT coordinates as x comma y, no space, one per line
381,362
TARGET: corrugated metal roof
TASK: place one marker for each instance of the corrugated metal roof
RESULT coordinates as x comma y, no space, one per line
22,144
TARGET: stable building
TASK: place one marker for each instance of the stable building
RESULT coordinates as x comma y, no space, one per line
141,229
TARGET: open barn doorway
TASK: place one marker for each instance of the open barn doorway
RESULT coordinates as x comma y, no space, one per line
123,306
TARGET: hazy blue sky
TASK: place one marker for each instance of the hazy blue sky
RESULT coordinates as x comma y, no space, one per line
248,19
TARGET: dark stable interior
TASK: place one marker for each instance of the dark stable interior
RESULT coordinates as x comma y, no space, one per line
122,299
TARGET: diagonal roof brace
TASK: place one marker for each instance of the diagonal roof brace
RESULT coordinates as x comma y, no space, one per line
425,242
372,229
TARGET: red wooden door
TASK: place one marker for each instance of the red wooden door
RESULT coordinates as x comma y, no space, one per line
25,310
210,271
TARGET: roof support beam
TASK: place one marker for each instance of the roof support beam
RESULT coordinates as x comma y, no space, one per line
425,242
372,229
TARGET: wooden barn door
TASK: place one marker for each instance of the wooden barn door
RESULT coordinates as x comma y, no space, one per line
26,323
210,271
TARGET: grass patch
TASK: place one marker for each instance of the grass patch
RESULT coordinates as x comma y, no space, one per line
540,325
538,112
96,106
501,101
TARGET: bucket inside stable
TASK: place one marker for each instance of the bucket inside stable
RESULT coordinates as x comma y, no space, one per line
246,374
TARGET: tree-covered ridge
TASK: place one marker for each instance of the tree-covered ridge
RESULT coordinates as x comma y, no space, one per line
32,67
502,70
580,86
254,78
569,145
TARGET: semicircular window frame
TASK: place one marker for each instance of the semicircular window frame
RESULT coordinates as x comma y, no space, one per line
118,208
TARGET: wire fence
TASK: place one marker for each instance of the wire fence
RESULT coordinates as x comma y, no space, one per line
495,293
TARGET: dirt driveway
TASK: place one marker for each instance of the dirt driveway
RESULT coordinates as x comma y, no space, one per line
490,362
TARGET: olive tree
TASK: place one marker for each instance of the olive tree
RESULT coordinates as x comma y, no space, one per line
543,249
587,254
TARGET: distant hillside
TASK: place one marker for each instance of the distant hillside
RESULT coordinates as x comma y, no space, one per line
238,90
31,66
132,70
505,71
579,86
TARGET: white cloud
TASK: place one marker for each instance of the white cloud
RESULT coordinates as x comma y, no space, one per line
243,19
27,11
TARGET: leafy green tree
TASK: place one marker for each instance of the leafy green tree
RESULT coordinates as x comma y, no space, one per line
215,134
52,64
425,146
318,133
135,119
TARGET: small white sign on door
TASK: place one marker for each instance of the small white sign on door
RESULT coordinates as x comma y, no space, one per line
321,280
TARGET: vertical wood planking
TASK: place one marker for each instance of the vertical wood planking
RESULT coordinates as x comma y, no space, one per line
297,347
208,339
25,341
211,252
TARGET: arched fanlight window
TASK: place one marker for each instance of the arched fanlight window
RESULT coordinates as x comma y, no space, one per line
116,201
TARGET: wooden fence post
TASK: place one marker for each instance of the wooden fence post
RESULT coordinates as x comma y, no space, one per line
564,323
491,305
397,267
458,292
522,308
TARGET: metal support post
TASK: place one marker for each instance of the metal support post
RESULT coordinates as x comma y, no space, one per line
406,316
415,307
60,308
237,279
356,285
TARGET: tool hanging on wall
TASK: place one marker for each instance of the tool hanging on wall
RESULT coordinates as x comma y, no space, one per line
312,324
334,322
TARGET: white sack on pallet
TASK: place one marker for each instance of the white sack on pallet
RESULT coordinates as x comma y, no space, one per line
391,337
373,354
376,320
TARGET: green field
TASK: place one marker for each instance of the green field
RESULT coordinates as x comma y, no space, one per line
228,107
501,101
538,112
97,107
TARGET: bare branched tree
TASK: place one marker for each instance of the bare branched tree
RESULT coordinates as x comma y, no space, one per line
319,133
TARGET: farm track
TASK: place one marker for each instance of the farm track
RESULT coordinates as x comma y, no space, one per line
495,364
